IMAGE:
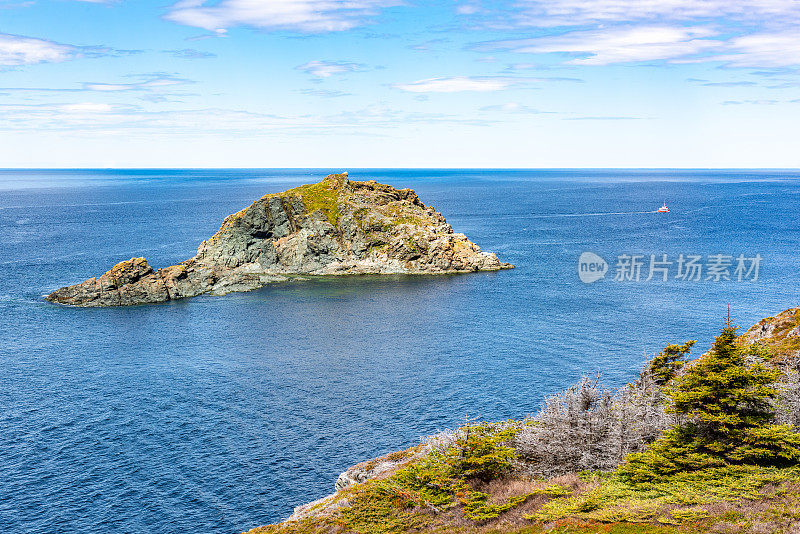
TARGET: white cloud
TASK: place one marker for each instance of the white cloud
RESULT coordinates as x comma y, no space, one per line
763,50
746,33
152,82
621,44
513,108
324,93
190,53
753,102
87,107
19,50
455,84
611,118
122,119
326,69
108,86
675,44
294,15
581,12
467,9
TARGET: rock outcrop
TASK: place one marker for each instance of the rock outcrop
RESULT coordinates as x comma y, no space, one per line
781,334
333,227
376,468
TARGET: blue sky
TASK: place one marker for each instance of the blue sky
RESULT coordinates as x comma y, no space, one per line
390,83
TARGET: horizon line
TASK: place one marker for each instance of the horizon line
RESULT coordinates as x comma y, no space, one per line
348,169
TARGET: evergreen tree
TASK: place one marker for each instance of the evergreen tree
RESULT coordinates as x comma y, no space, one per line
723,394
666,365
725,398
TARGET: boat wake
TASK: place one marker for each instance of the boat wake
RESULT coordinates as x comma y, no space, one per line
553,215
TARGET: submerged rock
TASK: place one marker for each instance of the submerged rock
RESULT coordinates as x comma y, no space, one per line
334,227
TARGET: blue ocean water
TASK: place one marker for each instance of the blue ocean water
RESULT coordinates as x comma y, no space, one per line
219,414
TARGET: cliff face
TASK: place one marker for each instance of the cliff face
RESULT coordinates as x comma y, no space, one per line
333,227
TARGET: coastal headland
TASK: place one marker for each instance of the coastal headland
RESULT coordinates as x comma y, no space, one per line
709,445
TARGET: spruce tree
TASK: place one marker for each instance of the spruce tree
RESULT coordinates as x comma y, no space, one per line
725,400
666,365
723,394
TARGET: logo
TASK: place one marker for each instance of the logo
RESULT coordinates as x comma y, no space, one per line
591,267
663,268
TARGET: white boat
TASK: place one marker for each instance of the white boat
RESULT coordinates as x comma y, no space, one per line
663,209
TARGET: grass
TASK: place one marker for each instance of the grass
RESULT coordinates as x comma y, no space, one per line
676,500
380,508
322,196
407,219
779,342
399,216
397,456
442,480
469,487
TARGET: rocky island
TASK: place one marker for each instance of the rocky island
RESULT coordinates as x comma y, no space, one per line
334,227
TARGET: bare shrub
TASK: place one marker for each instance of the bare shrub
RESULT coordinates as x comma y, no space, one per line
640,415
588,427
442,440
570,432
787,402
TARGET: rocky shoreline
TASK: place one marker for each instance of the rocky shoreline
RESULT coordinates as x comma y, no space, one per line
334,227
392,494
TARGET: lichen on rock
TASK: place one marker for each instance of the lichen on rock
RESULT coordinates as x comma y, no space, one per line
334,227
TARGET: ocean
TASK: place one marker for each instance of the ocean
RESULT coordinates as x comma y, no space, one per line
220,414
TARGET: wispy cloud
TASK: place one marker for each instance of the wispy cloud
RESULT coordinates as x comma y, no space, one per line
513,108
752,102
18,50
618,45
730,84
428,45
764,50
293,15
87,107
456,84
147,83
4,4
326,69
548,13
611,118
190,53
121,119
742,33
324,93
467,9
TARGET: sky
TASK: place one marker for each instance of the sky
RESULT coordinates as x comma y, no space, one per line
391,83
